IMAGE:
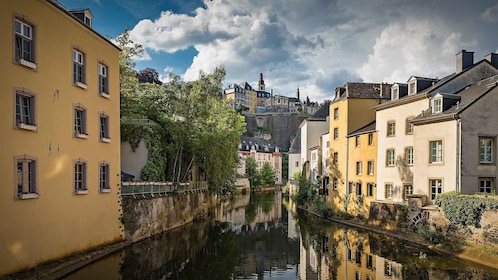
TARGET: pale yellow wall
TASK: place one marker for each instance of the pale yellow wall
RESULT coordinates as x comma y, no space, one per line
57,223
363,153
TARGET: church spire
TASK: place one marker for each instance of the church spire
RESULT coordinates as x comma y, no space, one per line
261,83
297,94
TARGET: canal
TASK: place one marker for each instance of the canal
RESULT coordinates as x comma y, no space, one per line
256,237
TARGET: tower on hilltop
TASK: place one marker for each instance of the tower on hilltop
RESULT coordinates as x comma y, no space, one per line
261,82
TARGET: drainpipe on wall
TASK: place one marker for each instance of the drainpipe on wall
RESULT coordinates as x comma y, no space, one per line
458,153
347,165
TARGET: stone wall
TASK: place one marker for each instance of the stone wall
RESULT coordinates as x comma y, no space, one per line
282,126
147,216
387,215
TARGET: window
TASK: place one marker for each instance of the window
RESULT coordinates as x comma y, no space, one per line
437,106
25,111
359,190
26,183
486,150
358,256
80,122
104,128
388,268
80,177
297,163
486,185
370,168
336,113
391,128
408,126
357,141
358,168
389,191
350,187
103,80
328,144
395,94
370,189
436,186
390,157
79,69
24,44
335,183
369,260
411,88
104,184
336,133
436,152
409,155
335,158
357,275
407,190
349,254
370,139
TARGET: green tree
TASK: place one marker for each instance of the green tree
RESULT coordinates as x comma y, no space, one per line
252,172
267,174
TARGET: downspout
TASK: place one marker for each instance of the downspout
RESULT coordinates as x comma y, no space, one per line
458,152
347,165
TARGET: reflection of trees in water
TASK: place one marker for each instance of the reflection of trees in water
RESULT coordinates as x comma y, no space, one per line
263,200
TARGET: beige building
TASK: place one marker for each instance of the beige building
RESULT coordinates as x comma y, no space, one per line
60,150
262,151
405,166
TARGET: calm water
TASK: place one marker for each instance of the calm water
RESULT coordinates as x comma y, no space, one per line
256,237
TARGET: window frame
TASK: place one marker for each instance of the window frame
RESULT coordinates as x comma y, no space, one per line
29,190
370,139
409,126
359,188
437,105
19,58
359,168
438,189
103,80
483,154
80,186
357,141
492,186
80,130
104,133
336,113
31,124
335,158
391,128
335,183
370,189
389,190
370,167
104,177
407,190
336,133
409,155
79,77
388,157
436,152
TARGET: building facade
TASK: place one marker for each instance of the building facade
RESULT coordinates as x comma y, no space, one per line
60,138
263,152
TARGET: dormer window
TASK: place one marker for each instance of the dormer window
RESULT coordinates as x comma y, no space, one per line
395,93
412,88
437,105
88,21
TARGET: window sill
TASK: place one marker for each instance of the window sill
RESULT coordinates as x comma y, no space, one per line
27,63
81,135
81,192
27,196
105,140
105,95
105,190
26,126
81,85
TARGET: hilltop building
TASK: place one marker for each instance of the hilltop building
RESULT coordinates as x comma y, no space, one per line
60,149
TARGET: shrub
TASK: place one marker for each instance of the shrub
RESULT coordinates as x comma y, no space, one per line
465,209
433,236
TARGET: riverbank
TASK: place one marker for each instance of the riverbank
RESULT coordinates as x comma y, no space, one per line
476,253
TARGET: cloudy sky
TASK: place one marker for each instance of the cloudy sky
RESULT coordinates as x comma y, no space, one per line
314,44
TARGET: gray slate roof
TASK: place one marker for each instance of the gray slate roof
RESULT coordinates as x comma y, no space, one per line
260,145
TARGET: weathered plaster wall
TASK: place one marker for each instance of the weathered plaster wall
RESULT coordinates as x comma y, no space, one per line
145,217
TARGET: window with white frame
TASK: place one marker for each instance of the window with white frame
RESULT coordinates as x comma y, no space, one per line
388,268
103,80
104,184
359,189
370,139
391,128
437,106
26,183
358,168
335,183
104,128
409,155
24,43
486,150
486,185
408,126
390,157
350,187
407,190
370,189
357,275
80,169
336,113
436,151
395,93
336,133
436,187
80,122
389,191
357,141
25,111
411,88
370,166
369,261
79,68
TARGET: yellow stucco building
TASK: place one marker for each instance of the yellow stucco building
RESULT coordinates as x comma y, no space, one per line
350,110
60,163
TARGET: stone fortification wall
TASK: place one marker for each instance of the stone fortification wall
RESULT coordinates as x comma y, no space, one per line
147,216
282,126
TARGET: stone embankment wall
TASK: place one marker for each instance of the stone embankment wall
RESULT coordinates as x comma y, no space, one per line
145,216
387,215
282,126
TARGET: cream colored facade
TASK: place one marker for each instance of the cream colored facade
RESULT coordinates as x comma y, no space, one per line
60,142
241,96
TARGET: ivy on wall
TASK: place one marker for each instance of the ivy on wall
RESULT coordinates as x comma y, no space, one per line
465,209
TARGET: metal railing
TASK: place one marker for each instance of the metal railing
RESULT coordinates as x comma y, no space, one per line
153,188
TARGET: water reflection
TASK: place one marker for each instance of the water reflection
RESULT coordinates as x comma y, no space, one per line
255,237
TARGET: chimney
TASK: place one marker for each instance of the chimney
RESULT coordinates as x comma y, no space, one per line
493,59
464,59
